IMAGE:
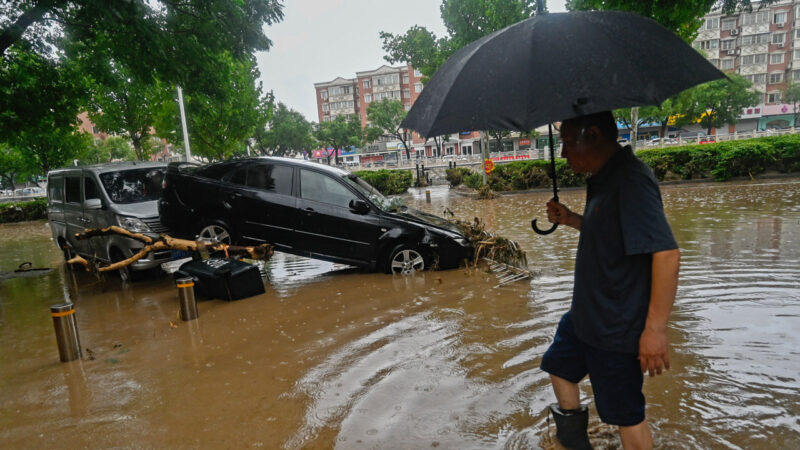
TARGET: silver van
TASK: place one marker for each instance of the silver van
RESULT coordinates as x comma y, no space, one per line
124,194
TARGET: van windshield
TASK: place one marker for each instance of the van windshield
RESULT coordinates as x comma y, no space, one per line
133,185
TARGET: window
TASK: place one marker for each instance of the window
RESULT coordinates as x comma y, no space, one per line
55,189
406,93
367,98
269,177
728,44
779,17
323,94
708,45
90,189
367,84
755,18
417,87
710,24
777,38
760,58
755,39
726,64
776,77
776,58
325,107
322,188
384,80
728,24
774,97
759,78
405,79
407,106
341,90
95,130
417,73
795,75
73,189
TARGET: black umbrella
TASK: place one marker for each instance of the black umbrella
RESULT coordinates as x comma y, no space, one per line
553,67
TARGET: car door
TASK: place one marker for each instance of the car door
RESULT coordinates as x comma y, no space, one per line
327,227
264,205
90,218
73,213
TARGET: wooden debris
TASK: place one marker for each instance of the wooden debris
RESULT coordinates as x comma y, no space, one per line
161,243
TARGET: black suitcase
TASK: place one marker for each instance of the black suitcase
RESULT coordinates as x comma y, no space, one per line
223,278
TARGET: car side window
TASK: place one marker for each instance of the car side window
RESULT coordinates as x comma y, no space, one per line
89,189
237,176
55,189
322,188
269,177
73,185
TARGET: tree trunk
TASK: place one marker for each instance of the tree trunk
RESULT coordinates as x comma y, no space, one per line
13,32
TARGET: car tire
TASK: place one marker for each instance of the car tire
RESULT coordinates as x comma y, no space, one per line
217,232
406,259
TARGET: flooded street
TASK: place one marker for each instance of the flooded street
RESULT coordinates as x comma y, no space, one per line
332,357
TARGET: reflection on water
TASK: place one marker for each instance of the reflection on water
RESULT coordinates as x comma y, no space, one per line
330,356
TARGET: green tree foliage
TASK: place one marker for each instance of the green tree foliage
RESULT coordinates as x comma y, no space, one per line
218,123
288,134
683,16
343,131
718,102
114,148
384,118
465,21
170,39
12,166
791,95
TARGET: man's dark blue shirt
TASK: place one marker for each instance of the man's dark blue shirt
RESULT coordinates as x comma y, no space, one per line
623,225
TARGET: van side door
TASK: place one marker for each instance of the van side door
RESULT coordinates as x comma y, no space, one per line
73,212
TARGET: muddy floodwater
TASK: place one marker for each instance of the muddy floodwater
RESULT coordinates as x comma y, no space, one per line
330,357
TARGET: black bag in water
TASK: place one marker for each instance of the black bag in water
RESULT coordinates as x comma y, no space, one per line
223,278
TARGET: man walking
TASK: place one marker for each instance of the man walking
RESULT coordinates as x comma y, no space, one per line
626,276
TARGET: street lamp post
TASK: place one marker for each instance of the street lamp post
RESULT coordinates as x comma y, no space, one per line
183,126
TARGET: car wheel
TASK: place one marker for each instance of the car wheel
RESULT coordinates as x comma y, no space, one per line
405,260
216,232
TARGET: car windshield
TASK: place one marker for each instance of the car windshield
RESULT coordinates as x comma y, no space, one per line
133,185
386,204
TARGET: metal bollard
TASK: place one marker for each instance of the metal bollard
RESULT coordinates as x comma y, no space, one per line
427,195
69,344
186,295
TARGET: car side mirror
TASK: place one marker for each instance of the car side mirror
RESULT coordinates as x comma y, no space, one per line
359,206
92,203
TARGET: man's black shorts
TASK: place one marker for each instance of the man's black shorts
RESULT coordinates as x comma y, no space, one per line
616,377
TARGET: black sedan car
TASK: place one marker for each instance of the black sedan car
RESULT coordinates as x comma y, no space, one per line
307,209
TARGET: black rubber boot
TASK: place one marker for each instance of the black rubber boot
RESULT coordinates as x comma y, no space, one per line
572,426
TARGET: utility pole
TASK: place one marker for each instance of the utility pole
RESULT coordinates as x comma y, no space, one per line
183,125
634,126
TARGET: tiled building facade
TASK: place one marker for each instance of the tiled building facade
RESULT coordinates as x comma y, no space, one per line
763,46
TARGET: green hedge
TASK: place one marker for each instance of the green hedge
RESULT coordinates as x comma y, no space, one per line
456,175
388,182
725,160
23,211
721,161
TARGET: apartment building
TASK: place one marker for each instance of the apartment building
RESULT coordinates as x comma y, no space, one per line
764,47
352,96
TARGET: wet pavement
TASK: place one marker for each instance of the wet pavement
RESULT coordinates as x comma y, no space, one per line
332,357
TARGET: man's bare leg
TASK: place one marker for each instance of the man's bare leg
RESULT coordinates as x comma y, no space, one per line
567,393
637,437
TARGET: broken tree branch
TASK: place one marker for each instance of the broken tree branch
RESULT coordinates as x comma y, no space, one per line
162,243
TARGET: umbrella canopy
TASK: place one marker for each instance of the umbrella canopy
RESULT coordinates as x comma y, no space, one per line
557,66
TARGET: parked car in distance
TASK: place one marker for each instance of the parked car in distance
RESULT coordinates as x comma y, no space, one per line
123,194
307,209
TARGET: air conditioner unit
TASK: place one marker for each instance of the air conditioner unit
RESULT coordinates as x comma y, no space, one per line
734,32
780,25
731,52
780,45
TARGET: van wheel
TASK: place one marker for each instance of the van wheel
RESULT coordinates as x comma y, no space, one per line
216,232
126,274
405,260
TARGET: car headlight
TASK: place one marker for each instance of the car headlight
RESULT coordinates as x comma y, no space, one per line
133,224
463,241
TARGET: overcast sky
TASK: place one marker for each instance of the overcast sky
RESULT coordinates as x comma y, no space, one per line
320,40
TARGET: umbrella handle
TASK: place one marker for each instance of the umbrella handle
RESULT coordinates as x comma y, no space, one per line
543,232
